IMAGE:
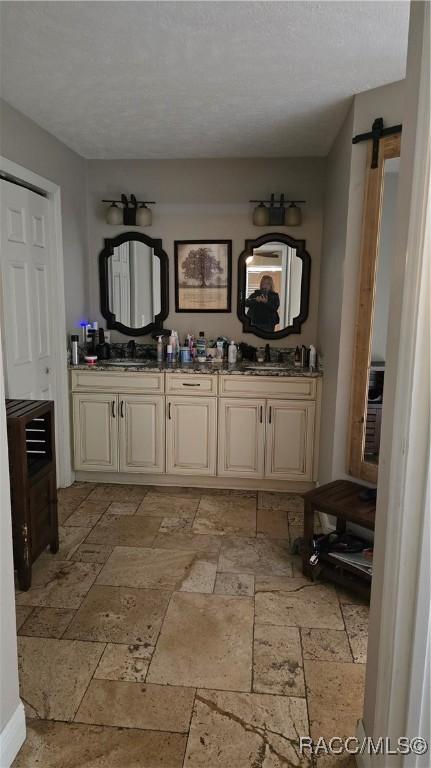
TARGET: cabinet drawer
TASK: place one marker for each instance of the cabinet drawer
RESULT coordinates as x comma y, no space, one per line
293,388
118,382
191,384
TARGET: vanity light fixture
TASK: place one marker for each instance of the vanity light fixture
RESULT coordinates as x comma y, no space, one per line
273,212
133,213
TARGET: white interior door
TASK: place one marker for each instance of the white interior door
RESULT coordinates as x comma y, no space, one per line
26,275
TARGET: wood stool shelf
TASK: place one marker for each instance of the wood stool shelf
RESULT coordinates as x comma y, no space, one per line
341,499
31,442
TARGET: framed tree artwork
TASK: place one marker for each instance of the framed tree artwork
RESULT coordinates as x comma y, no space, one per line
203,275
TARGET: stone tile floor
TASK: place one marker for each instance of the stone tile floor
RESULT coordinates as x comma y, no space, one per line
174,628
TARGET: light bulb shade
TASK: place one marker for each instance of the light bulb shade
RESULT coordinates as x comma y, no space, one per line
144,216
293,217
114,215
261,216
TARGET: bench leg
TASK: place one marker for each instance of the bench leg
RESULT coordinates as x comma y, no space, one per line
308,536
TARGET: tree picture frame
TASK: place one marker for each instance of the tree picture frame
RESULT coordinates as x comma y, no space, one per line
203,275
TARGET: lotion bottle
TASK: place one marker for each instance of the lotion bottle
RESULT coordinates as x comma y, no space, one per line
160,350
312,359
232,353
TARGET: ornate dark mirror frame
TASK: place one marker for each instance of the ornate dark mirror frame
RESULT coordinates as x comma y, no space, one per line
108,251
302,254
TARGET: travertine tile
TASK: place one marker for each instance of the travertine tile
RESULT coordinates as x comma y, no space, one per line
47,622
335,694
184,492
350,597
59,583
76,492
175,524
167,505
148,568
206,641
299,586
272,523
286,502
120,615
66,508
336,761
92,553
325,645
22,612
72,745
69,540
117,492
277,661
356,620
87,514
246,730
137,705
125,531
288,609
124,662
221,515
54,674
191,542
240,584
201,577
258,556
122,508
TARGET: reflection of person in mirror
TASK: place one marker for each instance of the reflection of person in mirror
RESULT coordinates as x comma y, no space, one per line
263,304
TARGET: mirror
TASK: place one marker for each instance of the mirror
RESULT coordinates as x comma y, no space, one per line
273,286
373,311
133,272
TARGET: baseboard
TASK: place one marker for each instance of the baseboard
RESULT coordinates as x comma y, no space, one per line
12,737
364,760
195,481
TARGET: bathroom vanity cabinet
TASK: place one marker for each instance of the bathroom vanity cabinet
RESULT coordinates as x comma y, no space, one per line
215,429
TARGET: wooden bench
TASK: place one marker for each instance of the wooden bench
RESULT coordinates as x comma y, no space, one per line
341,499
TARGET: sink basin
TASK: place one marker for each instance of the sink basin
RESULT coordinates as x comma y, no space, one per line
128,363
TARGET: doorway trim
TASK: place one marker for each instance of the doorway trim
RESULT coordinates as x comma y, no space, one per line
65,475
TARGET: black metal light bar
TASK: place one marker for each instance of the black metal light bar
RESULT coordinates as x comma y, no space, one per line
377,132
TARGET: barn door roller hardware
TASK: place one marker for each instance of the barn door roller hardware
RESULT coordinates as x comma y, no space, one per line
377,132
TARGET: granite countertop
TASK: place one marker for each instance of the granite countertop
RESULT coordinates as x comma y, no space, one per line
244,368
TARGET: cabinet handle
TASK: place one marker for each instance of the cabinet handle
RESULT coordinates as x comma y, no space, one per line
169,410
187,384
261,413
122,409
113,409
270,414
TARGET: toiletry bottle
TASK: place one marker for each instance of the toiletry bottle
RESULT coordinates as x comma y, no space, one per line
313,358
160,350
74,350
169,354
303,356
232,352
201,345
171,342
103,350
297,359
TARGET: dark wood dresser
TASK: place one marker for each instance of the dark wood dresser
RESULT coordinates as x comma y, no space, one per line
31,441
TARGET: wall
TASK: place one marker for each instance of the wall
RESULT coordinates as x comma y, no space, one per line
207,199
340,261
23,142
12,720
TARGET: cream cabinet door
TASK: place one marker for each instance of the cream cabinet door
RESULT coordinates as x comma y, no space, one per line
142,433
95,429
289,439
191,435
241,437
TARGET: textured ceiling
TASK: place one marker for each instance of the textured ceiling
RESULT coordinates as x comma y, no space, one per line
197,79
